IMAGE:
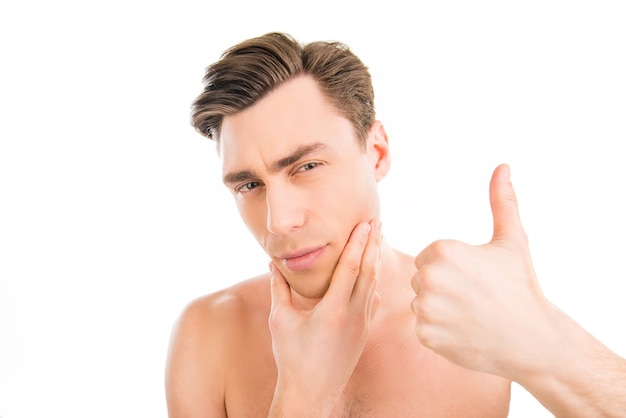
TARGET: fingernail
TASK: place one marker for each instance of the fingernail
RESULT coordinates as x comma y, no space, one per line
365,228
377,225
507,172
271,266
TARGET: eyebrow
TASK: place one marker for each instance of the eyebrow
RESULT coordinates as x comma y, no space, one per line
278,165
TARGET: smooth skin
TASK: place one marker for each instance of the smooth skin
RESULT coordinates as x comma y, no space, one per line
481,307
328,335
332,334
346,326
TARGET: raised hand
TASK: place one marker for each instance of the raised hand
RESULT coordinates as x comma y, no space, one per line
481,306
317,350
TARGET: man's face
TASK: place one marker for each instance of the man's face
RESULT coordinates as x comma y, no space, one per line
301,179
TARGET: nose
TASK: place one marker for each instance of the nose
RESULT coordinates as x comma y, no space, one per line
285,210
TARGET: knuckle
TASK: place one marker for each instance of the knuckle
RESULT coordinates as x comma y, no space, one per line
370,271
510,201
426,337
351,267
421,310
442,248
424,333
339,316
424,278
429,336
416,282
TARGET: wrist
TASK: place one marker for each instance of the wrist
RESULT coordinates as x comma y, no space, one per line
293,399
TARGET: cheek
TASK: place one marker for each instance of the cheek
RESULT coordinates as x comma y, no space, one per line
253,216
353,200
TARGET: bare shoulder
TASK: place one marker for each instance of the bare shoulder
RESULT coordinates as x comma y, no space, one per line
249,297
205,332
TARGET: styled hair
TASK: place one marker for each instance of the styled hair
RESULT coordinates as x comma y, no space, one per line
248,71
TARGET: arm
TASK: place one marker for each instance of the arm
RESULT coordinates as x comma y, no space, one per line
584,377
481,307
194,377
317,350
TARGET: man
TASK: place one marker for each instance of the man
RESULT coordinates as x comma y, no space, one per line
331,329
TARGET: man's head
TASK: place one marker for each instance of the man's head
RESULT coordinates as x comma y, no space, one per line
250,70
302,171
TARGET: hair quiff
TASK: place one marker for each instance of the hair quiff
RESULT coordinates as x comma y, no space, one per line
248,71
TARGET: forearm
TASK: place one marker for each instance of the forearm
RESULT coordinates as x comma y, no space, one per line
584,378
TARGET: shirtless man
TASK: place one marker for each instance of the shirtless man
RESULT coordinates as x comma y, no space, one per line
330,330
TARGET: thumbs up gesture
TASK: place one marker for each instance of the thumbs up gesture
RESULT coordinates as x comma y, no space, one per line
481,306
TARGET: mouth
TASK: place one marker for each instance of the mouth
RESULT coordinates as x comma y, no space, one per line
303,259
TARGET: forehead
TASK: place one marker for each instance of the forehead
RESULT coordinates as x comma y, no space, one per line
293,114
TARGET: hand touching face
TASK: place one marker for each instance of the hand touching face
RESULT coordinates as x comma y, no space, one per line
317,349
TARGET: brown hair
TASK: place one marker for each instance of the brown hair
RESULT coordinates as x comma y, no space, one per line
248,71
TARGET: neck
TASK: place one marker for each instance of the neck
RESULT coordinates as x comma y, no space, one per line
394,281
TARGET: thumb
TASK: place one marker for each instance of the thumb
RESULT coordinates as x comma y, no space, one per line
279,288
506,221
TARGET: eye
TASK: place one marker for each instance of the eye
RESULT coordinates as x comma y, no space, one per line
247,187
308,166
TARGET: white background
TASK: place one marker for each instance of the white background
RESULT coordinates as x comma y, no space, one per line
112,215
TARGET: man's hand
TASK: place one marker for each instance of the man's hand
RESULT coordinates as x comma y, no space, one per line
317,350
481,306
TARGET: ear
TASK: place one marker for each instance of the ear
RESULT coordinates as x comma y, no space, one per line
378,150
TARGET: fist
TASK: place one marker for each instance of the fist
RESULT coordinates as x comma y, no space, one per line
480,306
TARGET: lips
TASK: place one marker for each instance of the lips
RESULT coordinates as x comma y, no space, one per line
302,259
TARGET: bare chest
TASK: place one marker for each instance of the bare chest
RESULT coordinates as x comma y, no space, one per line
411,381
399,379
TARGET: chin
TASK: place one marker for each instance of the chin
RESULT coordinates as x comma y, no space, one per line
312,294
309,285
